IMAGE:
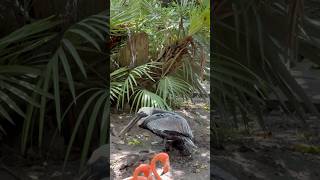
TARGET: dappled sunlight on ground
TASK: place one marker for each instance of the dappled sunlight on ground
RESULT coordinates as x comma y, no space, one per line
139,146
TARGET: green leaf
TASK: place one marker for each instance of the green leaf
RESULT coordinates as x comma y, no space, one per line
29,30
93,30
16,69
44,101
19,93
73,102
79,120
86,36
55,76
12,104
75,55
27,85
92,122
105,123
28,121
67,71
6,115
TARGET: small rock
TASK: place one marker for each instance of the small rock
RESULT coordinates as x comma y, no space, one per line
154,143
196,171
33,177
203,166
56,173
196,163
45,163
144,151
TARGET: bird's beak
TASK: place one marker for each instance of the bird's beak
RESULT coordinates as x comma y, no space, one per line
130,125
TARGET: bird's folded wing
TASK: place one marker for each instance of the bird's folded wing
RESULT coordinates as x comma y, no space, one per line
169,122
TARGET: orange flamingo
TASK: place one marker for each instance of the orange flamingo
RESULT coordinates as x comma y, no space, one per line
164,159
142,168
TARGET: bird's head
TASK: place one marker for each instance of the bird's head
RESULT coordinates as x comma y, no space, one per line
142,113
166,168
140,117
164,159
148,111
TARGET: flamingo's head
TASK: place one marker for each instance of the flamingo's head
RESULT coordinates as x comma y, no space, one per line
166,168
164,158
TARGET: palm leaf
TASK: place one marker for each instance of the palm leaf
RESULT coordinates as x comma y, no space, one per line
79,120
170,88
145,98
92,121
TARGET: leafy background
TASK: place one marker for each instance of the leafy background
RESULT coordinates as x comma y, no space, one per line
54,76
176,38
256,45
53,71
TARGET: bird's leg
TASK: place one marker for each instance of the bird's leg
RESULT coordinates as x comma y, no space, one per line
166,145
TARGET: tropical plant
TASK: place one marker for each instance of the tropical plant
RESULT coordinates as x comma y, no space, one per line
164,54
254,40
53,61
44,61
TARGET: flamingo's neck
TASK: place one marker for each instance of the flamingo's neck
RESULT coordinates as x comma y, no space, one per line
143,168
164,159
153,168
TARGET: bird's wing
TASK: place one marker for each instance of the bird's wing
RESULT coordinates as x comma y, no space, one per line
169,122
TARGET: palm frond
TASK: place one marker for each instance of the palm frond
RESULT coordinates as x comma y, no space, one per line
170,88
243,33
145,98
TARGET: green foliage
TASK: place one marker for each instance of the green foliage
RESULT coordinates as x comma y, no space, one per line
134,142
254,41
304,148
170,87
46,62
165,77
199,18
39,62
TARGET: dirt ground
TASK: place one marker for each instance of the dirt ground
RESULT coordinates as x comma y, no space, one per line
15,167
280,156
140,145
286,155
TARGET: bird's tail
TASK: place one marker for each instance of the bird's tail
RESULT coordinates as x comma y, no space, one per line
189,143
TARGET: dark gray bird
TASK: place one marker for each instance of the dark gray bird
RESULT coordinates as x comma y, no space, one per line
167,125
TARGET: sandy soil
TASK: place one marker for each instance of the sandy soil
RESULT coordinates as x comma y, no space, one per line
126,155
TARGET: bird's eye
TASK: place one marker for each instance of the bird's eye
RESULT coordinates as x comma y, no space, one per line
159,115
142,114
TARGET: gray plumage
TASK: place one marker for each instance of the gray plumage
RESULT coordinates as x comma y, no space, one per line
169,122
168,125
